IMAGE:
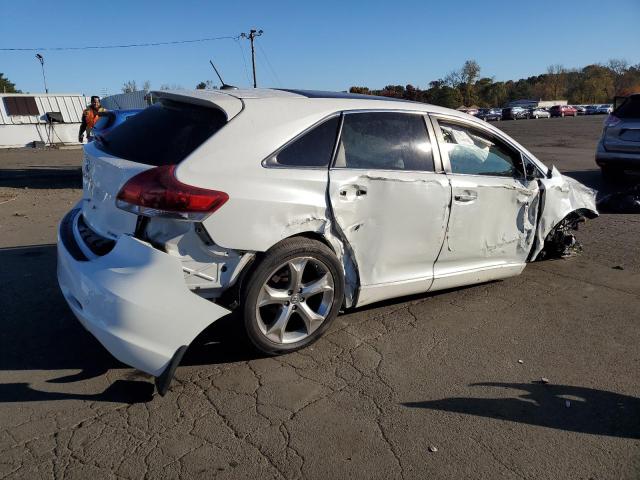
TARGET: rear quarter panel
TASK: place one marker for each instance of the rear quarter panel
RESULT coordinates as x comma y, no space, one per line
265,205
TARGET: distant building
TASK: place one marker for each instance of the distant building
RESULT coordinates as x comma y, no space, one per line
536,103
51,119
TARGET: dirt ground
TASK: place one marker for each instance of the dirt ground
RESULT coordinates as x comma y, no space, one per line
445,385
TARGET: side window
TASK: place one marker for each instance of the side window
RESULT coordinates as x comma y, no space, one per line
313,149
384,141
474,152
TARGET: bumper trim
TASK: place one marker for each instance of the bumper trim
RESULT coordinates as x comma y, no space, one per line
164,380
68,239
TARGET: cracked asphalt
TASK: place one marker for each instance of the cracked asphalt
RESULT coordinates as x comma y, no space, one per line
446,385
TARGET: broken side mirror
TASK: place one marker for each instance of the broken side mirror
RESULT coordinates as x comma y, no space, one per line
529,170
553,172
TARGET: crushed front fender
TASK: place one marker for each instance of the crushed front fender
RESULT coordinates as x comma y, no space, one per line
562,197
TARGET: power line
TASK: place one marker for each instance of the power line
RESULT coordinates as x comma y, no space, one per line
244,60
131,45
275,75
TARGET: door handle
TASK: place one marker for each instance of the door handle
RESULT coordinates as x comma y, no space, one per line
466,197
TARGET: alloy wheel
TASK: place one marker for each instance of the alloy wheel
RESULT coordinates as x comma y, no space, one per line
295,300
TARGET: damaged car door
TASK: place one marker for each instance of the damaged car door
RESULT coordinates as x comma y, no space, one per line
494,207
389,202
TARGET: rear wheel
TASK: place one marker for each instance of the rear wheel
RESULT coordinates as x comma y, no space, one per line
292,296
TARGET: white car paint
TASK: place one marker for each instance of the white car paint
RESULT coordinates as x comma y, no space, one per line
118,298
411,232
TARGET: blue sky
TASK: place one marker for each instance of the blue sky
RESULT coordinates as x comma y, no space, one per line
328,45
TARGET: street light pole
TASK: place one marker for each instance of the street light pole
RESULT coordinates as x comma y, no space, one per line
253,33
44,78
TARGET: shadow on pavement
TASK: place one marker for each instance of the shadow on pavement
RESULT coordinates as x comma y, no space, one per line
41,177
589,410
39,332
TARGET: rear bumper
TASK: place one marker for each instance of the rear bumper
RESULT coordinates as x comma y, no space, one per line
133,300
627,160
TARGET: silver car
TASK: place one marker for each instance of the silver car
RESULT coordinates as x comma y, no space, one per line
539,113
619,147
604,109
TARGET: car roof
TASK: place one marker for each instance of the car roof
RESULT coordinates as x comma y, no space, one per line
322,99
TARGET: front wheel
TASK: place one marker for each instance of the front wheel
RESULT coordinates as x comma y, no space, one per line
292,296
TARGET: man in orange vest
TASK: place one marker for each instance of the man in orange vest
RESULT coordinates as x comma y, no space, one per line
89,118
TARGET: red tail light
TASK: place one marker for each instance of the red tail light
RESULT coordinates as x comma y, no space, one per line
158,193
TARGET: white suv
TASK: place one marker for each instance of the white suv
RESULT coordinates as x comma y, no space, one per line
287,206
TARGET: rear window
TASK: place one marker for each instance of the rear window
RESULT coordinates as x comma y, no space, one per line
163,134
313,149
629,108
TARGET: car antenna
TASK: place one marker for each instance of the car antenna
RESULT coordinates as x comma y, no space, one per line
224,85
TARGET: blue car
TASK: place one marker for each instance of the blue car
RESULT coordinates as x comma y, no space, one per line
112,118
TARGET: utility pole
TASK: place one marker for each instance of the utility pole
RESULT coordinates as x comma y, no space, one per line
253,33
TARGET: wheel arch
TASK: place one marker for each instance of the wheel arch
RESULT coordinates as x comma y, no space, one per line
351,277
559,237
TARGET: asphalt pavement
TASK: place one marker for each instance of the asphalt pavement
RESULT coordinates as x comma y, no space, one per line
531,377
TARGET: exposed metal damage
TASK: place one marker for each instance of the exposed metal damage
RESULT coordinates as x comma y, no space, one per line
566,203
561,242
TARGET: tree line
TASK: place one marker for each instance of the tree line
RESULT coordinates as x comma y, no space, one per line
593,84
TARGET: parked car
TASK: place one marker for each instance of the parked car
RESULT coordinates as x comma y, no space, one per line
619,146
514,113
580,109
563,111
539,113
470,111
591,109
110,119
286,206
490,114
604,109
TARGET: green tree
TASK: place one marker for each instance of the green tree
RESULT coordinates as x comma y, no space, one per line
469,74
443,95
6,86
360,90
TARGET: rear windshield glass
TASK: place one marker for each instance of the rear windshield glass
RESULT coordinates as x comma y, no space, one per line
163,134
629,109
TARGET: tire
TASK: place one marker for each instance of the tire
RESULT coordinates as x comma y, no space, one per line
277,316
